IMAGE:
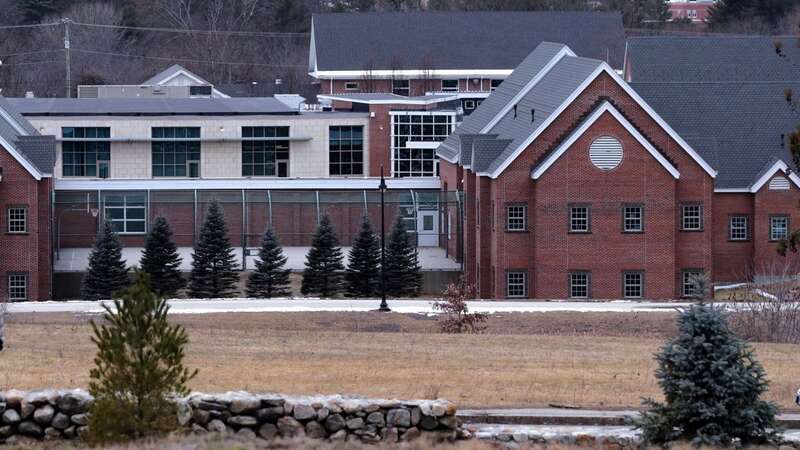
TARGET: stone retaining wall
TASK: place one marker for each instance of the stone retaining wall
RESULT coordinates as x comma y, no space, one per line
49,415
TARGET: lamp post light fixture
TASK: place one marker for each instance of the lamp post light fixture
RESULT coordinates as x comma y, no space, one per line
382,187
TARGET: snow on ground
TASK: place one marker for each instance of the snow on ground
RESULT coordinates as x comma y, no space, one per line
76,259
425,306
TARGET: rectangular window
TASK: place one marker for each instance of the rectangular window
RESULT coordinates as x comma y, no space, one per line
17,219
633,218
17,287
692,217
85,151
126,212
496,84
346,150
200,91
689,283
633,284
778,227
517,284
579,284
469,104
579,219
516,217
265,151
351,86
449,85
401,87
411,161
738,228
176,152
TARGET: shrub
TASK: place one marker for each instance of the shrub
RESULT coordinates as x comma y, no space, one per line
769,311
455,317
138,368
712,386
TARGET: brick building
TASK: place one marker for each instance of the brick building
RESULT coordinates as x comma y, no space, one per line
26,183
575,187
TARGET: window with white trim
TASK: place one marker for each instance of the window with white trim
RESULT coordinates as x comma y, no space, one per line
738,228
579,219
692,217
689,279
633,284
401,87
579,284
17,219
410,161
469,104
516,284
351,85
633,218
126,212
449,85
778,227
18,287
516,217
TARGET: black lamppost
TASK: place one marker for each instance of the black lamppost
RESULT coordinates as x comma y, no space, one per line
384,306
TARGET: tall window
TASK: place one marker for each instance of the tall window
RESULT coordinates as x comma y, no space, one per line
401,87
265,151
517,284
579,284
633,284
633,218
692,217
410,133
346,150
17,219
176,152
126,212
778,227
449,85
689,281
516,217
18,287
579,219
85,151
738,228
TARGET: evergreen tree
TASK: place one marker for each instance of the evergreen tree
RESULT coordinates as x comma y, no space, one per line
138,368
712,384
270,279
107,273
323,275
363,269
213,261
160,260
403,277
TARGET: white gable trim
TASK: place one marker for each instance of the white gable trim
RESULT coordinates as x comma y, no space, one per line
606,107
528,86
779,166
35,173
604,67
193,77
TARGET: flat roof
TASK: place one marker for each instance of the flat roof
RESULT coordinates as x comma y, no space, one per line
150,106
389,98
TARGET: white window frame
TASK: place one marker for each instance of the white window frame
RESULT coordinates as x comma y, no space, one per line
687,284
635,280
575,219
14,285
450,89
469,104
396,150
692,212
628,218
516,217
406,88
126,208
15,221
774,235
738,231
516,280
575,282
351,85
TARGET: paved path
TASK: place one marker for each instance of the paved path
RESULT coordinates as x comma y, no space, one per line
306,305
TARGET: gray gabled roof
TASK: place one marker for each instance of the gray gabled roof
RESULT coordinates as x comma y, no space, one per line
735,126
162,77
712,59
459,40
148,106
24,140
538,86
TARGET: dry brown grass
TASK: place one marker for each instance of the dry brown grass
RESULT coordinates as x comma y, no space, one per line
582,359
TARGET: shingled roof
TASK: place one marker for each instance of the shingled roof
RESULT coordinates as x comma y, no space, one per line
35,152
458,40
711,59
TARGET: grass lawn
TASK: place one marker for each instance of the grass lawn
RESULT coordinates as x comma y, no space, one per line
582,359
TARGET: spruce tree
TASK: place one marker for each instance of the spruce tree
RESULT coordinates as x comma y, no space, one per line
106,274
322,275
712,384
270,279
138,368
161,261
403,277
213,261
363,269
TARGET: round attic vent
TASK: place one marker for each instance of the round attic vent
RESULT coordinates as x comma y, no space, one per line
606,152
